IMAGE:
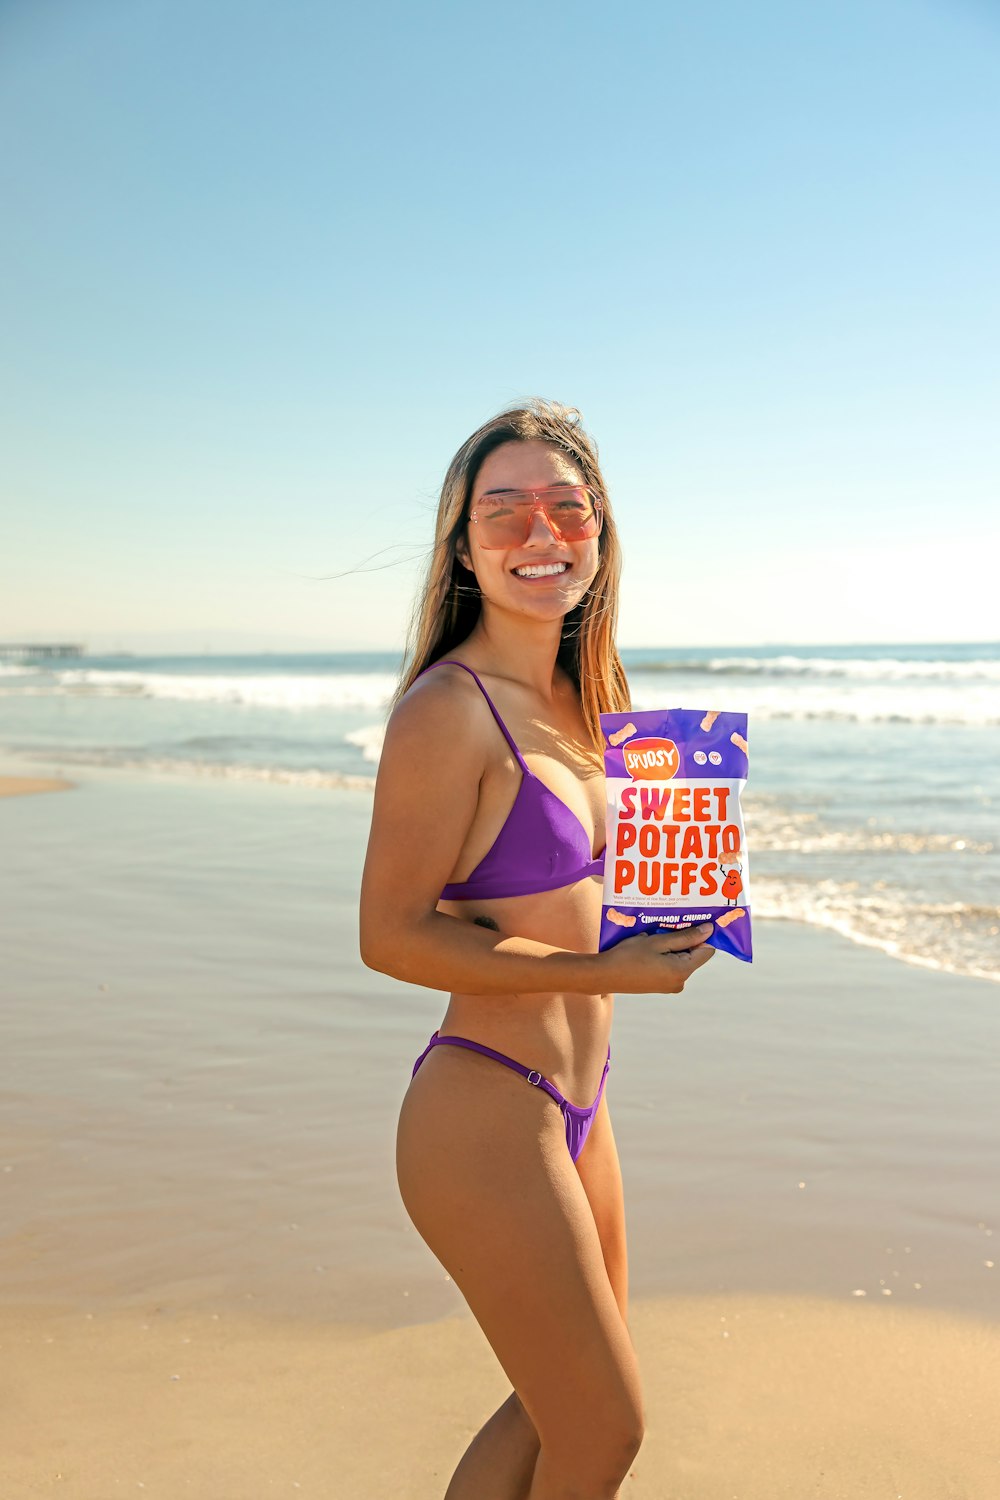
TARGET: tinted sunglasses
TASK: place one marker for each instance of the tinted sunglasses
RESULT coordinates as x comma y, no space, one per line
573,512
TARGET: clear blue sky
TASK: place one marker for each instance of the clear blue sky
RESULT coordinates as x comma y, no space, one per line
265,266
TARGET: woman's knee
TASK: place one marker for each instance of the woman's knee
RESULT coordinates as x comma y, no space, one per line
590,1470
597,1448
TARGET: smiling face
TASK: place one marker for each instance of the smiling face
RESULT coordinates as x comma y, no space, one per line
530,465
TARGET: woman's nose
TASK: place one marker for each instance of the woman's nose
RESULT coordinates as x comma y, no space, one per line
540,529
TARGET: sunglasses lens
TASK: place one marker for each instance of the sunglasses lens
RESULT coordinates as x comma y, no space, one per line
504,520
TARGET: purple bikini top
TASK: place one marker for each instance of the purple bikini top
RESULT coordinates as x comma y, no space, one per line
540,847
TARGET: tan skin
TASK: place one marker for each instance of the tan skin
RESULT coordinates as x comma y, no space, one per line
535,1243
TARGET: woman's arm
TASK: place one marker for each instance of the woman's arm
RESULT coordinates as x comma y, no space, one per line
427,790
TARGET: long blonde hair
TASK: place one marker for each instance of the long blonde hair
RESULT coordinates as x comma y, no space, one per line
448,606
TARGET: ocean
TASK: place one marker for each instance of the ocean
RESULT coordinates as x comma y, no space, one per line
870,808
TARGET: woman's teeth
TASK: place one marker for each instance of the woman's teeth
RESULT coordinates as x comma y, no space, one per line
540,570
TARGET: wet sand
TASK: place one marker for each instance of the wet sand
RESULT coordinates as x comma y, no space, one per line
199,1084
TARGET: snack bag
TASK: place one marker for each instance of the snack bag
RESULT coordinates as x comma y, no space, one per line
676,852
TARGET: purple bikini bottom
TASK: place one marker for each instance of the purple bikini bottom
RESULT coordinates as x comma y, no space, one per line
578,1121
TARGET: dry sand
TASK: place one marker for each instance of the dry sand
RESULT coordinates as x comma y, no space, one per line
746,1399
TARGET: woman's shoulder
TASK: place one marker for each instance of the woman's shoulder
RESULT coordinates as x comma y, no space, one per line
441,683
440,705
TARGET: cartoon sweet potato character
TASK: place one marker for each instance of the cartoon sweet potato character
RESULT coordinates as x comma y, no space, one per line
732,886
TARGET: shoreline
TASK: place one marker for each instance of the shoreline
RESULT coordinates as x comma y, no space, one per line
22,779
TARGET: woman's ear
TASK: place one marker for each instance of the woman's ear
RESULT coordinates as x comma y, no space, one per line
462,553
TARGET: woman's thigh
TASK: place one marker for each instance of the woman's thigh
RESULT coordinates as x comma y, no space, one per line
485,1176
600,1173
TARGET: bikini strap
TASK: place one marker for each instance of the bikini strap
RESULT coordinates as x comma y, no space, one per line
450,660
536,1079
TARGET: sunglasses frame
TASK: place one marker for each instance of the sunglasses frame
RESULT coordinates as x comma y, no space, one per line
550,489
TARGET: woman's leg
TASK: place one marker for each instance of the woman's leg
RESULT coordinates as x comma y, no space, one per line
500,1461
485,1176
601,1175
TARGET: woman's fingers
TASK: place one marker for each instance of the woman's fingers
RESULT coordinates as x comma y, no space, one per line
695,957
691,937
654,963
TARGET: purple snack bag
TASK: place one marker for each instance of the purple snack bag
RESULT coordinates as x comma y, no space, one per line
676,851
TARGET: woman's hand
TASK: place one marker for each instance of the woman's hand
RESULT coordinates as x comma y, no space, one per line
655,963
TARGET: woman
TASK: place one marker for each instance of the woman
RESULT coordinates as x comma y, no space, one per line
482,880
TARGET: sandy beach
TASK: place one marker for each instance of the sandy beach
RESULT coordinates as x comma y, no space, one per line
208,1286
753,1398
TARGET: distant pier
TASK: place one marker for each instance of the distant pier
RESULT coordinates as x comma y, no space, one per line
25,651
